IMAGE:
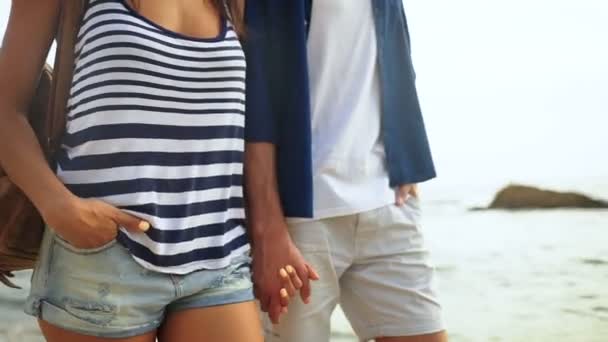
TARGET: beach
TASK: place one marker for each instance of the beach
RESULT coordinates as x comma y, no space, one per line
15,326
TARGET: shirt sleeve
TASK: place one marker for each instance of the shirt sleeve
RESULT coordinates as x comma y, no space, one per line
260,118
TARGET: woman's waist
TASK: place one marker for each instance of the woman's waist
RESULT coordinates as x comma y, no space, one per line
171,205
160,191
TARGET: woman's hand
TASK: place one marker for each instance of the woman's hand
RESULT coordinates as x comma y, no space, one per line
89,223
292,284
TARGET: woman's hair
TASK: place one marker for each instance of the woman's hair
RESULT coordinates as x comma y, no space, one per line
234,10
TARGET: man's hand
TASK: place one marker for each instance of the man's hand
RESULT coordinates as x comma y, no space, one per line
403,192
272,252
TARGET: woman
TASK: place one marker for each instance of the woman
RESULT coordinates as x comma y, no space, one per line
145,216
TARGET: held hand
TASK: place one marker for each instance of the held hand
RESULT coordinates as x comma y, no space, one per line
271,252
292,283
90,223
403,192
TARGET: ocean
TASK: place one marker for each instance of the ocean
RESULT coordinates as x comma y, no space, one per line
524,276
521,276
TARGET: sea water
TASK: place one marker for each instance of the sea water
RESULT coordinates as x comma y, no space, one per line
521,276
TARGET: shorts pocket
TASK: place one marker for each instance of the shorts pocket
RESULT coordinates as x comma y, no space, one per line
83,251
238,274
107,325
412,208
310,236
86,321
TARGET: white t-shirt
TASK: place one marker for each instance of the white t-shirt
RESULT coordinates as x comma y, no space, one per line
350,174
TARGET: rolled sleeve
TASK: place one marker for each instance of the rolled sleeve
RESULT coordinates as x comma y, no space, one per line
260,118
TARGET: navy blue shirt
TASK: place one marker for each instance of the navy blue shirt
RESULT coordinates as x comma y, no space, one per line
278,96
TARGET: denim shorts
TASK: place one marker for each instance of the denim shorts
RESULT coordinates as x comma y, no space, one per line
104,292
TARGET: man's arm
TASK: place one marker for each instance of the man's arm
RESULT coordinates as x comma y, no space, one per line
264,207
272,246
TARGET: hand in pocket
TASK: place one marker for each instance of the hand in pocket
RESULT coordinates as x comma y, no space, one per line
90,223
403,192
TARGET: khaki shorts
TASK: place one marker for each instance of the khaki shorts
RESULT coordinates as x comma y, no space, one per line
375,265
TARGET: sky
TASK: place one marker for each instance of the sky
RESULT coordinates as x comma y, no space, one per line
512,91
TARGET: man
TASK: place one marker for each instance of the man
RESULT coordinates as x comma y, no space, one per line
333,111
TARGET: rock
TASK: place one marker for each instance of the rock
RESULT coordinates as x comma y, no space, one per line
526,197
595,262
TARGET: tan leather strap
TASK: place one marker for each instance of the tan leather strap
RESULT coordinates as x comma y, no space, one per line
67,32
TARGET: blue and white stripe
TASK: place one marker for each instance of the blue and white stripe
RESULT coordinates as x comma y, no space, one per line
156,127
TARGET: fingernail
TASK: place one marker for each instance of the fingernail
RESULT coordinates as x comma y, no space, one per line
283,273
143,225
290,269
284,310
284,293
307,300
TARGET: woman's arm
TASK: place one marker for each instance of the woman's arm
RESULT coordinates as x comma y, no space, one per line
22,56
85,223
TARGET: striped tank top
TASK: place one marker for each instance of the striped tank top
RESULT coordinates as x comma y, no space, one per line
155,127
